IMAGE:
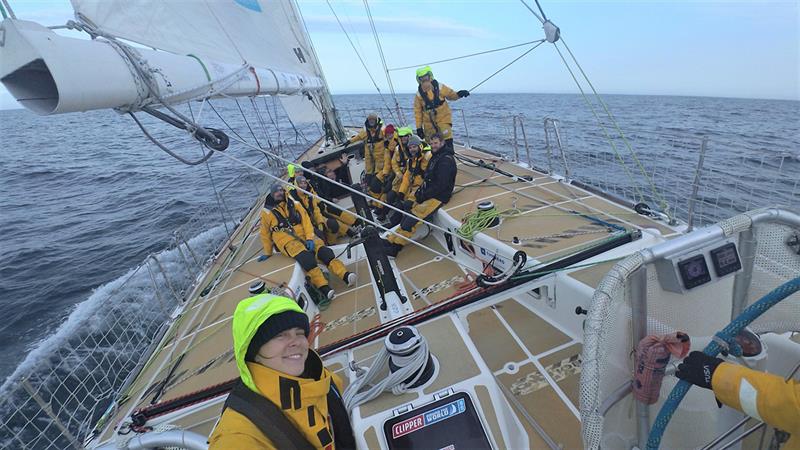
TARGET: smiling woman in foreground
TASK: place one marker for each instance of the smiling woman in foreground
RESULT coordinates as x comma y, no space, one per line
285,397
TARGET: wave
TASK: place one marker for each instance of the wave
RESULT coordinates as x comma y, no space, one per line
79,367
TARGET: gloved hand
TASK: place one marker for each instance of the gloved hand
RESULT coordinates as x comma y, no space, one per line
263,258
463,93
420,133
310,245
698,369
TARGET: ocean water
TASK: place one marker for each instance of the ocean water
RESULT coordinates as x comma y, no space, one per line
85,198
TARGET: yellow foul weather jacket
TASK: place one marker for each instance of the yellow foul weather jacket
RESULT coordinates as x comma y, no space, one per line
311,204
432,111
374,147
414,174
764,396
289,224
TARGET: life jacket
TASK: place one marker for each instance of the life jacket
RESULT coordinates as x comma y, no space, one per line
377,136
309,205
437,99
285,223
273,424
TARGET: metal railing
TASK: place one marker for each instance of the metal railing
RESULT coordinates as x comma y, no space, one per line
694,173
72,380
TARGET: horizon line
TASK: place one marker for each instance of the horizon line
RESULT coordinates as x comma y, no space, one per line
18,107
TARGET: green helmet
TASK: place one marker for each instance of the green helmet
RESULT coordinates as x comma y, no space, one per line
250,313
422,71
404,131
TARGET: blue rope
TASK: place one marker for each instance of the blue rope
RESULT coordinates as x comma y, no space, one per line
728,335
600,221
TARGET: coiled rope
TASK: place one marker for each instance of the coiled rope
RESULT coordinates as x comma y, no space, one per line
479,220
409,368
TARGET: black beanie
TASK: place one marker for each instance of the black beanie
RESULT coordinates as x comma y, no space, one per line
274,326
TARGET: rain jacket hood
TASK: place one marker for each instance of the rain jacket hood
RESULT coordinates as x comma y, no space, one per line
249,315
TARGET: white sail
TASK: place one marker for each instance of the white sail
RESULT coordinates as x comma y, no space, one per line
260,33
198,49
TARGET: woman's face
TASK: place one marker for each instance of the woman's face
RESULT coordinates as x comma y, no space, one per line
286,352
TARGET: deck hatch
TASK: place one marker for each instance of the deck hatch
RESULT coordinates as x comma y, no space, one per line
451,422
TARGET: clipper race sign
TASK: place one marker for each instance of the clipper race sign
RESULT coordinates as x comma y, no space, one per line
421,421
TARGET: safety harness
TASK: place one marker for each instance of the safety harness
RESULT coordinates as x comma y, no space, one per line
285,224
308,207
273,424
372,139
437,100
431,105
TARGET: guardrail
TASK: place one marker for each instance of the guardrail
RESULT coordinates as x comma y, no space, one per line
703,177
75,376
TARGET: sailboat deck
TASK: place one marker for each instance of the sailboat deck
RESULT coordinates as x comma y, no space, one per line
532,358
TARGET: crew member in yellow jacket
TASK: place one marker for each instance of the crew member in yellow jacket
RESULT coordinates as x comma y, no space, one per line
394,167
763,396
374,147
431,109
285,398
286,225
310,203
328,228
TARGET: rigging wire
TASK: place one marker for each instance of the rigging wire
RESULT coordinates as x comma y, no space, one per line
534,12
541,10
506,66
400,114
648,178
217,195
261,122
246,122
363,64
205,157
602,127
467,56
617,127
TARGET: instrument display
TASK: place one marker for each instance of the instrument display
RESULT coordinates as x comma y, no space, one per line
725,259
694,271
